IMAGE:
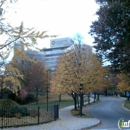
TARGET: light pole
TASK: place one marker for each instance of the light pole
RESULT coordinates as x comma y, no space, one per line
81,99
48,72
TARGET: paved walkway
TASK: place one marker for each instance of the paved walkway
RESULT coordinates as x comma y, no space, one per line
65,122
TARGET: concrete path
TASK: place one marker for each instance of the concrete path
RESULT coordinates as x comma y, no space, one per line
65,122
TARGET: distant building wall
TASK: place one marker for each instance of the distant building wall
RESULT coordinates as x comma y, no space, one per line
36,55
50,56
57,48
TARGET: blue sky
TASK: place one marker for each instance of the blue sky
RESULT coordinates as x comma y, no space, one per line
62,17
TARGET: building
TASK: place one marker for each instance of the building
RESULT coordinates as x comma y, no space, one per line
36,55
57,48
50,56
33,54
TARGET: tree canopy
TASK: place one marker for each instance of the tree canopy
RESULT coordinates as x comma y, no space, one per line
112,33
79,66
124,82
11,36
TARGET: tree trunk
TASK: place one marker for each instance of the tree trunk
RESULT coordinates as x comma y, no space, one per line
88,98
81,104
83,100
75,103
74,96
105,91
37,95
98,96
94,96
77,98
59,97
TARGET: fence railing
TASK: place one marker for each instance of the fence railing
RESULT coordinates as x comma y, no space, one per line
27,115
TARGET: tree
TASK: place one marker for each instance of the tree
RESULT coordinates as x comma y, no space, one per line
112,33
11,79
22,94
100,76
11,36
36,79
124,83
26,38
15,71
76,67
22,62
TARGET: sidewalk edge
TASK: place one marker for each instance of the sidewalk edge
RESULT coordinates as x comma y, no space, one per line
126,109
89,127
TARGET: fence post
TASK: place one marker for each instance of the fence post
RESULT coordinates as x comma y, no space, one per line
2,117
38,114
56,112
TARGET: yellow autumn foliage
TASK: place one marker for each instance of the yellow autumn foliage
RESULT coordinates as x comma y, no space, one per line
124,83
78,67
11,79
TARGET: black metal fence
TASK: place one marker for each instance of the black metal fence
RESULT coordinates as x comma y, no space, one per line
24,116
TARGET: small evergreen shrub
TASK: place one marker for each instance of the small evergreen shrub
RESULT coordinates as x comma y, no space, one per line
7,103
19,110
9,108
2,112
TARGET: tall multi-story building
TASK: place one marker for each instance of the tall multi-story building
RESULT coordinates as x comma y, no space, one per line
57,48
33,54
50,56
36,55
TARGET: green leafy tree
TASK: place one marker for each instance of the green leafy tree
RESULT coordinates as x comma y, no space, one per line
112,33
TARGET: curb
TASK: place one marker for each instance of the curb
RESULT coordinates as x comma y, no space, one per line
89,127
126,109
96,124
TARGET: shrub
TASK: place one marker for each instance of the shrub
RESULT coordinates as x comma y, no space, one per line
7,103
15,98
30,98
19,110
4,94
2,112
33,113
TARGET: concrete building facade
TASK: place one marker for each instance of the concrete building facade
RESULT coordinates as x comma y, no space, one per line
36,55
49,56
57,48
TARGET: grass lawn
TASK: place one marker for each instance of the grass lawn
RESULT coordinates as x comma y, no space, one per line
127,104
66,100
32,109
